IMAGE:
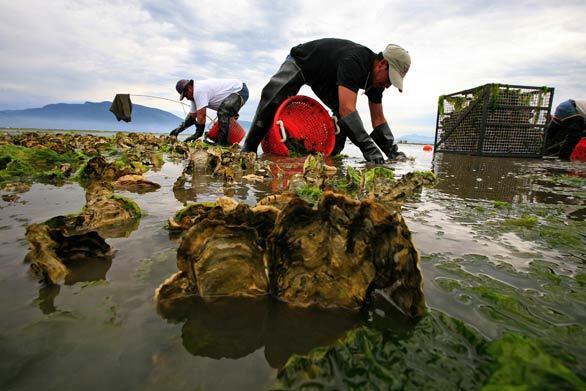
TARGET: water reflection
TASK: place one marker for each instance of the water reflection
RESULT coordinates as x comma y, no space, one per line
199,185
501,179
480,177
284,167
61,250
46,298
185,190
225,328
83,270
234,328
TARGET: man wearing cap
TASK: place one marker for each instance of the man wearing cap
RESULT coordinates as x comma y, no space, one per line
336,70
566,128
226,96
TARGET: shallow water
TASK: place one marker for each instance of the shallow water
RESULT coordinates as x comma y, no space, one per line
106,333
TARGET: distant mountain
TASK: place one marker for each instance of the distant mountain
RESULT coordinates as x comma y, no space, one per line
92,116
416,139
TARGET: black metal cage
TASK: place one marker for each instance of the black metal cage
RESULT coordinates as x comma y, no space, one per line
495,120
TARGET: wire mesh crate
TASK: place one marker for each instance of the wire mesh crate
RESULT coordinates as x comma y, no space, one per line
495,120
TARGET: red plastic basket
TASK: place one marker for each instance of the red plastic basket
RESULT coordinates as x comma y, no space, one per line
303,120
236,132
579,152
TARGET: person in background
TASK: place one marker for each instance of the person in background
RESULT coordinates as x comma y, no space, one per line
566,127
226,96
336,70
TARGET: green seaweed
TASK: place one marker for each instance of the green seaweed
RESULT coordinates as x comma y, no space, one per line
545,313
129,205
187,210
569,180
4,160
501,205
339,158
16,169
521,363
349,183
440,105
35,164
439,353
123,162
457,102
353,175
166,148
81,174
525,221
448,284
144,270
296,148
374,177
427,176
374,173
545,224
494,95
311,194
312,162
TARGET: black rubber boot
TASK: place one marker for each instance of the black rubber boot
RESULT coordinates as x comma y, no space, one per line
223,130
228,108
199,128
340,143
189,120
383,137
285,83
253,138
352,126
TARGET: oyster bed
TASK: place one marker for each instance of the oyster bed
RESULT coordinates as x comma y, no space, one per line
502,260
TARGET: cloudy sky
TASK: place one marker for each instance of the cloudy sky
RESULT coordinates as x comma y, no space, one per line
77,51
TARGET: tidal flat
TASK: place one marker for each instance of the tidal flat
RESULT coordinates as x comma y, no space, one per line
502,243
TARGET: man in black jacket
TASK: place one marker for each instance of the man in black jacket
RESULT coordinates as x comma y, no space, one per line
566,128
336,70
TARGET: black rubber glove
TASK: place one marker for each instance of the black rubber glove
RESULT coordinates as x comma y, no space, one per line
352,126
189,120
383,137
199,128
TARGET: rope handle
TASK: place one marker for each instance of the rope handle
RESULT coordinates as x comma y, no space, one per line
283,133
212,121
159,97
337,131
210,125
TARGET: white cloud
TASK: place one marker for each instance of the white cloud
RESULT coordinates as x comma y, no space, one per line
63,51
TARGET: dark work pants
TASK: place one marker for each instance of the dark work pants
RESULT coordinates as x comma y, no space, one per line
229,108
574,129
285,83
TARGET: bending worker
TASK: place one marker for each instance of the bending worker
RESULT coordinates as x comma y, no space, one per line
226,96
336,69
566,128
